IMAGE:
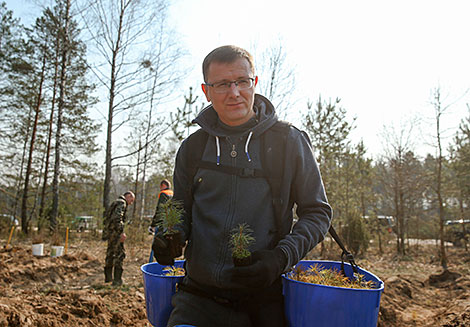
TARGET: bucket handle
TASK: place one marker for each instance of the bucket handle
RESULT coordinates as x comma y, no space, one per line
351,261
345,253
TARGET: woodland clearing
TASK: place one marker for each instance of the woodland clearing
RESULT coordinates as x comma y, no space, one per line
70,290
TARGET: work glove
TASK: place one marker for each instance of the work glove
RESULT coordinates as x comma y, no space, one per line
166,248
151,230
266,267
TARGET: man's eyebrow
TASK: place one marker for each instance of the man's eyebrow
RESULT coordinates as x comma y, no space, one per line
231,80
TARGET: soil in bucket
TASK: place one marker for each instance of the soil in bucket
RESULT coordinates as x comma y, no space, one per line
158,290
330,306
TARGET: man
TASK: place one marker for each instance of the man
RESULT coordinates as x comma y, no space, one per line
214,292
114,233
165,194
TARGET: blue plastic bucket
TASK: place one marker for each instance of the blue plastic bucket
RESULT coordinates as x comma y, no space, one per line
158,291
319,305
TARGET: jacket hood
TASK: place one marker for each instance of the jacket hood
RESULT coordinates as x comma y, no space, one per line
265,117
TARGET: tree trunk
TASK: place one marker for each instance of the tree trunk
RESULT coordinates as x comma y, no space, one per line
49,134
55,182
439,198
24,222
109,134
147,136
439,110
24,202
464,231
136,185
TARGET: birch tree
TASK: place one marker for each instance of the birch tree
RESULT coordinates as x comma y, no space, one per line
276,77
119,29
400,181
439,110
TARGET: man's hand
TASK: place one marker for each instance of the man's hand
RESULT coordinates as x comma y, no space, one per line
165,249
151,230
266,267
123,237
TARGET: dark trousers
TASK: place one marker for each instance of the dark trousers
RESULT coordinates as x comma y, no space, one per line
115,252
264,307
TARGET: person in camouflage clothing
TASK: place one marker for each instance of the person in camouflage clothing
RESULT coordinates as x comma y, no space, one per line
114,233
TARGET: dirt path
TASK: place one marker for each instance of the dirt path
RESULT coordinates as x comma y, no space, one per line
69,290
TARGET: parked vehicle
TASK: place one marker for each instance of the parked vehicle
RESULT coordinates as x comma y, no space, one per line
386,222
83,223
457,231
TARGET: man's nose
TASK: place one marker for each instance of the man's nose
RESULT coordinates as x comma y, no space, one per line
234,89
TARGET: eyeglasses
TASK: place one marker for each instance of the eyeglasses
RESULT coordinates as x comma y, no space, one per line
224,87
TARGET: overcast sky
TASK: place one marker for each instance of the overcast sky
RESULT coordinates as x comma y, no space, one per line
382,58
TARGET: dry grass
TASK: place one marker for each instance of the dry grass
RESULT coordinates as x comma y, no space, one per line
174,271
317,274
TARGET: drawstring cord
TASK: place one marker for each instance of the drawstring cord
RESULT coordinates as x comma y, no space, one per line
217,144
218,149
246,145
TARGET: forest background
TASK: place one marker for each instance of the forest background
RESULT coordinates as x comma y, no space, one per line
58,161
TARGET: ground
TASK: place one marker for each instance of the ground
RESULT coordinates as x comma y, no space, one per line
70,290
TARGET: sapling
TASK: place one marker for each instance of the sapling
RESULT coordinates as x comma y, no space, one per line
38,237
317,274
56,239
173,271
169,216
240,240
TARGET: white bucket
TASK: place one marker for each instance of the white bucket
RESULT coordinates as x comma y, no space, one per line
57,250
38,249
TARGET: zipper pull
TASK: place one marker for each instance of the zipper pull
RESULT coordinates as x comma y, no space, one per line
233,154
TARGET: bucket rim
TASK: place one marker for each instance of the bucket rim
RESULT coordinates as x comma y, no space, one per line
142,268
379,281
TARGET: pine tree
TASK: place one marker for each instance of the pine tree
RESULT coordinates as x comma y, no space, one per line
33,92
329,130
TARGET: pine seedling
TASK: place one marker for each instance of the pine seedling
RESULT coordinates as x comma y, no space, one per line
173,271
38,237
317,274
55,239
240,240
169,216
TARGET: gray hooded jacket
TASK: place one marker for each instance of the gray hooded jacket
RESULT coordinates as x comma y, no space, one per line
223,201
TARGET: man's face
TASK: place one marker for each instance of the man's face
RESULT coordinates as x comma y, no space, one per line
235,107
130,199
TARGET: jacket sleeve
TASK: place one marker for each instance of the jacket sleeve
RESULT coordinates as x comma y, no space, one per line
303,177
183,187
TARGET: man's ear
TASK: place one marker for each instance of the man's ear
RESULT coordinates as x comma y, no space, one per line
256,80
204,89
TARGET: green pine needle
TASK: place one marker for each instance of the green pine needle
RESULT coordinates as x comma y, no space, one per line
169,216
240,240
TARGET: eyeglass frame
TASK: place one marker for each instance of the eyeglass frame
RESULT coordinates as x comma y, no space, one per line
252,79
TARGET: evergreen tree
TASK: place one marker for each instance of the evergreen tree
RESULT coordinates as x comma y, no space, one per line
459,172
329,131
32,93
75,133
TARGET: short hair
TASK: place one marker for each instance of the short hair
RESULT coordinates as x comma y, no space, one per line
165,182
128,193
226,54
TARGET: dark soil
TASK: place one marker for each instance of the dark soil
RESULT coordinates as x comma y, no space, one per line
70,290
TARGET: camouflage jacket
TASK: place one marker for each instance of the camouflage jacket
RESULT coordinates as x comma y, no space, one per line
117,218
